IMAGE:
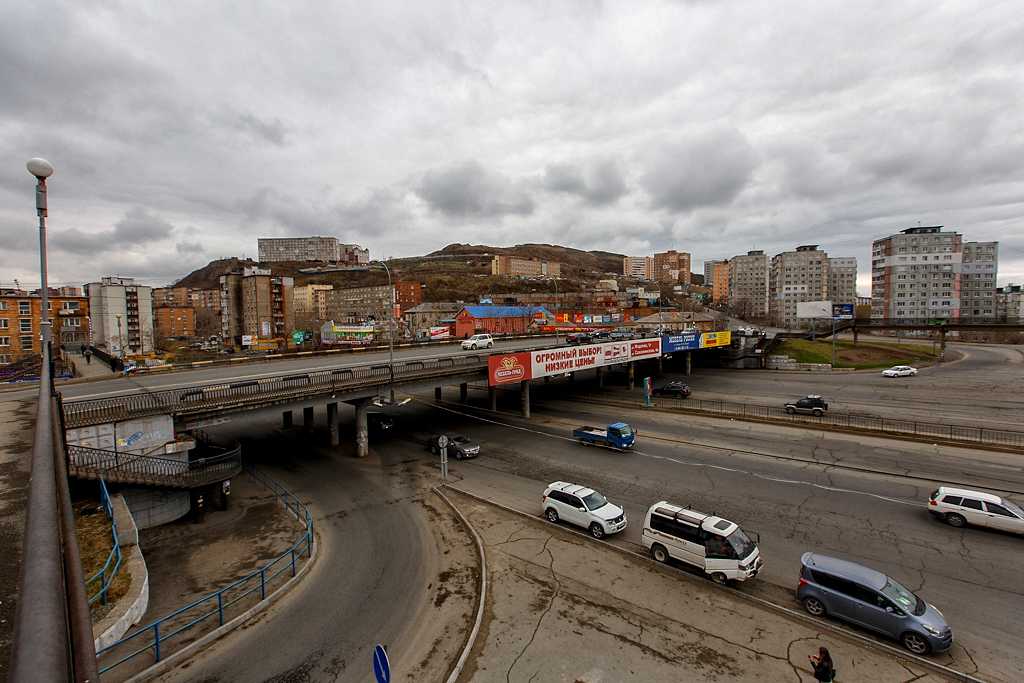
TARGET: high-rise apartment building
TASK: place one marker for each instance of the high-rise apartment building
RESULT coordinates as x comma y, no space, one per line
121,315
514,266
979,265
173,322
640,267
748,285
929,273
720,282
795,277
672,266
310,249
311,301
709,270
1010,303
842,280
359,304
20,321
207,298
256,307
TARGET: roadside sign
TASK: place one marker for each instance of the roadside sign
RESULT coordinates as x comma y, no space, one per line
298,336
381,666
842,311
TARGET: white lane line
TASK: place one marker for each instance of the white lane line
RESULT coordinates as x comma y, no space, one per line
766,477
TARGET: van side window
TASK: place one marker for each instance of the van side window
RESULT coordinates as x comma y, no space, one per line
834,583
663,524
716,547
674,527
952,500
863,593
972,504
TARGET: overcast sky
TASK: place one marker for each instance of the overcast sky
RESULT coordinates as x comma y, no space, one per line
182,131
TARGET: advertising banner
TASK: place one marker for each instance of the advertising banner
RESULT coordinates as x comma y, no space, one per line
842,311
507,368
814,309
709,340
684,341
246,340
440,332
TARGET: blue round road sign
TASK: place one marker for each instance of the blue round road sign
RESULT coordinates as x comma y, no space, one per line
381,666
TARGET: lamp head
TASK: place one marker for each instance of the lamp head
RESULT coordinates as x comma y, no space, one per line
40,168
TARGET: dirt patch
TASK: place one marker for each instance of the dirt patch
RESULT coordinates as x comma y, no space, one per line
863,355
95,543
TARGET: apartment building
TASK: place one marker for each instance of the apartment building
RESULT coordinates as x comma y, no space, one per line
121,314
709,270
748,285
311,301
513,266
842,280
639,267
408,295
672,266
207,298
174,322
979,264
795,277
359,304
720,282
172,296
256,307
21,321
929,273
314,248
1010,303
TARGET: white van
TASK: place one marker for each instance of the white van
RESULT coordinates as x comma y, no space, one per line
716,545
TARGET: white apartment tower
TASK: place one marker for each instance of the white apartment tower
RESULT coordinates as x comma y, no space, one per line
842,280
121,315
795,277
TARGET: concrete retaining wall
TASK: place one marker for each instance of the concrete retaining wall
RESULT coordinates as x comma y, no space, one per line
787,363
129,609
153,507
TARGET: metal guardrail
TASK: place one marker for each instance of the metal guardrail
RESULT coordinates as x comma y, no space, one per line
947,432
53,629
133,468
221,606
242,392
110,568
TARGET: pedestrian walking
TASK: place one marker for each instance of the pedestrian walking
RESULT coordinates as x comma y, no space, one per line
88,356
824,670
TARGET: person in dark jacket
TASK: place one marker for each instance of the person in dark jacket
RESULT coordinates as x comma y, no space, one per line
823,668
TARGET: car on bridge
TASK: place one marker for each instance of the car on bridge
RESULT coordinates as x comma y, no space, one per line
899,371
583,507
478,341
808,405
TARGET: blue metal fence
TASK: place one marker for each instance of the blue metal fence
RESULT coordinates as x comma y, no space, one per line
215,609
106,574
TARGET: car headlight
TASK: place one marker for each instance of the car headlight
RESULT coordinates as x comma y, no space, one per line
931,629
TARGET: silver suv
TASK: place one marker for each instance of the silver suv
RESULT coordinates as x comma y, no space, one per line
478,341
583,507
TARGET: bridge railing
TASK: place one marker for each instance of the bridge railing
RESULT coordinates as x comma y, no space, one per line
253,391
105,576
126,467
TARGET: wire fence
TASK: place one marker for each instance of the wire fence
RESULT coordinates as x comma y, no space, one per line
153,642
105,576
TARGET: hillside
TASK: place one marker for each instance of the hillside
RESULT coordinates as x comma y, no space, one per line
576,263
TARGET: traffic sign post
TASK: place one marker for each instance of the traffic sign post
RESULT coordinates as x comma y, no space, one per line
442,444
381,666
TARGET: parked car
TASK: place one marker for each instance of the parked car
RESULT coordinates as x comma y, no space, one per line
810,405
900,371
459,447
865,597
478,341
622,334
583,507
579,338
672,390
960,507
600,335
715,545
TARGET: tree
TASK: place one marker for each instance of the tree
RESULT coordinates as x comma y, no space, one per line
207,323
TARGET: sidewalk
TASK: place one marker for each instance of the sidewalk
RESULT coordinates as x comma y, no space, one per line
563,608
96,368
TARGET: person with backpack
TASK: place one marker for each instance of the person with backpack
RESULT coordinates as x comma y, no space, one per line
824,670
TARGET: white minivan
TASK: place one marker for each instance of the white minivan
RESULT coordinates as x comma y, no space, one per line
716,545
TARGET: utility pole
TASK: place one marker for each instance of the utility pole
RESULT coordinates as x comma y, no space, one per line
42,169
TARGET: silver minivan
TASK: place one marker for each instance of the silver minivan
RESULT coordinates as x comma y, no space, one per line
715,545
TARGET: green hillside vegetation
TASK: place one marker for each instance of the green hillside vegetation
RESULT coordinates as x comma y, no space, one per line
864,355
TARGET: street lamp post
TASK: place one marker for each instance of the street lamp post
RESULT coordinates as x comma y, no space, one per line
391,330
557,335
42,169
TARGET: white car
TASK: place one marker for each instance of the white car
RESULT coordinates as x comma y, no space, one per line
900,371
960,507
583,507
478,341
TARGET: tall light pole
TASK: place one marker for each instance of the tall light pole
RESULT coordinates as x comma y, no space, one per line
557,335
42,169
391,329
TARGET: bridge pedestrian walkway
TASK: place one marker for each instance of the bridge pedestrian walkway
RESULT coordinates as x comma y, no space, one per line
148,470
16,434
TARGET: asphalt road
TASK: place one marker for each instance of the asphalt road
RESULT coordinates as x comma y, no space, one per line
972,575
983,388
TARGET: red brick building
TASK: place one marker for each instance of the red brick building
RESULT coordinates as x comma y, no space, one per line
498,319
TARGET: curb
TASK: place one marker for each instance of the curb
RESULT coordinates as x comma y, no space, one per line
475,631
832,627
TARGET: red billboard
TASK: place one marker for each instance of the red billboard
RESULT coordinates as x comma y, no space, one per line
647,348
507,368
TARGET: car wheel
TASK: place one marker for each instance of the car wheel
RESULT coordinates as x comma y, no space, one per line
552,515
597,531
659,553
790,410
817,412
956,520
915,642
814,607
719,578
490,344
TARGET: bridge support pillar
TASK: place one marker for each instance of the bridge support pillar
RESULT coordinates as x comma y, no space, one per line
942,343
307,418
492,395
437,394
631,372
600,378
362,431
286,418
854,335
463,392
661,365
332,423
689,363
524,398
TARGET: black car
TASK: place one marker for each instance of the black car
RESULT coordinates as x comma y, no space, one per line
672,390
381,424
459,447
809,405
601,335
579,338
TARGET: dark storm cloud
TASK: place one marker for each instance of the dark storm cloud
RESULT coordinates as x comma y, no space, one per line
705,169
138,228
468,189
600,183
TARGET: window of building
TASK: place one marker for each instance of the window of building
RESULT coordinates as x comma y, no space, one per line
24,308
5,341
24,325
26,341
3,305
70,305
